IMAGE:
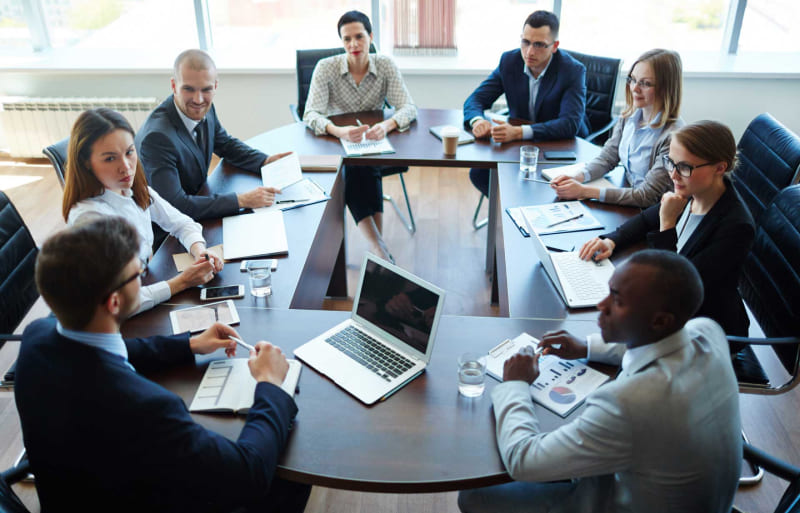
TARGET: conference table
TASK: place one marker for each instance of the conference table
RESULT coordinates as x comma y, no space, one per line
426,437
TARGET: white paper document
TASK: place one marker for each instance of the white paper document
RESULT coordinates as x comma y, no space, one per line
367,147
282,173
261,233
575,171
228,386
560,217
305,192
562,385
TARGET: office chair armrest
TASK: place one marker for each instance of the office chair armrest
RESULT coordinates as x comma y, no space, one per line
764,341
591,137
770,463
6,337
295,115
17,473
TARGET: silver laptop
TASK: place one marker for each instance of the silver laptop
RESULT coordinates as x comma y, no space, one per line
580,283
388,339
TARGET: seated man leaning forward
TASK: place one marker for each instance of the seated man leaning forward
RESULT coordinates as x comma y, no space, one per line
662,437
102,437
176,142
542,85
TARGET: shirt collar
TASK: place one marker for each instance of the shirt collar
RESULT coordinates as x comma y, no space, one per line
528,72
108,342
188,122
637,117
344,70
637,358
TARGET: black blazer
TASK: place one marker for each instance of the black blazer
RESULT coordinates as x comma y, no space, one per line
176,167
717,248
560,104
101,437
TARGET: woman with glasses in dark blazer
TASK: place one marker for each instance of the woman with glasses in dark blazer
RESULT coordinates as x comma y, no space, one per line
704,220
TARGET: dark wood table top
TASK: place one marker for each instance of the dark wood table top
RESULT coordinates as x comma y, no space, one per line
424,438
414,147
525,289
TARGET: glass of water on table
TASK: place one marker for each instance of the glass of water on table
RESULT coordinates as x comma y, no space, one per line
471,374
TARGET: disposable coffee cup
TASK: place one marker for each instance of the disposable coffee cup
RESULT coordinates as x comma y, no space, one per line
450,139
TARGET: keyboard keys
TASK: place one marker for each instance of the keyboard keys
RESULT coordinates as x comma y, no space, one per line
367,351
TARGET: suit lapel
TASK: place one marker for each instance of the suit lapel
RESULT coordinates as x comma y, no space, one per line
184,136
548,81
709,222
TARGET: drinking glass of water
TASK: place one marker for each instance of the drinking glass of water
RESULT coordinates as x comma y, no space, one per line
471,374
260,281
528,160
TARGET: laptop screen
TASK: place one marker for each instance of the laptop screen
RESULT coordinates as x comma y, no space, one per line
397,305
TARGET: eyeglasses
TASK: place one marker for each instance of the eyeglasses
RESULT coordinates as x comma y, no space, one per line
538,45
644,84
683,169
140,274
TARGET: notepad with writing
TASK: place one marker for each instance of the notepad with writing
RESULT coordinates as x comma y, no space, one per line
228,386
562,385
261,233
560,217
367,147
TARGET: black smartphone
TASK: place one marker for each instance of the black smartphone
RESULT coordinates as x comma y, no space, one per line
560,155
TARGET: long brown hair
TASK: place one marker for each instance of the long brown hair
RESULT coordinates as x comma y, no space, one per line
80,182
667,68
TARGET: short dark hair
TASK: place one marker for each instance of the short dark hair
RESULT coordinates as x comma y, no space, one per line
540,19
676,282
77,267
353,17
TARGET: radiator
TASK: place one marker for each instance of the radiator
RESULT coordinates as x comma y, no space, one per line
28,125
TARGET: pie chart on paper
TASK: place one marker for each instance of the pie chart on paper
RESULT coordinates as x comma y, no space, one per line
562,395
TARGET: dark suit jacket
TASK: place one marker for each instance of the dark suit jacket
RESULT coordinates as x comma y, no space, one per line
717,248
176,167
101,437
560,104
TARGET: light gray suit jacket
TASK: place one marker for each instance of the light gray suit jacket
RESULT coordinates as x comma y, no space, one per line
656,181
664,436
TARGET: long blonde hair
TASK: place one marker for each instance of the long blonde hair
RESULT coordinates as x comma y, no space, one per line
80,182
667,68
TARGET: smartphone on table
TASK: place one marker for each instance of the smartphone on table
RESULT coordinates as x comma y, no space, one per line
224,292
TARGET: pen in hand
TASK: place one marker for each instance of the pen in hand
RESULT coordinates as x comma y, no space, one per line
242,343
293,201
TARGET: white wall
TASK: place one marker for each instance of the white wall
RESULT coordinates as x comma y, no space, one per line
250,103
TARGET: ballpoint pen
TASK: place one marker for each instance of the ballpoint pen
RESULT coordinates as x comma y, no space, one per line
358,122
242,343
292,201
565,220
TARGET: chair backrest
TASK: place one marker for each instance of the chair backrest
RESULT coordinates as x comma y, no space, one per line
57,153
769,160
770,282
306,62
601,87
17,263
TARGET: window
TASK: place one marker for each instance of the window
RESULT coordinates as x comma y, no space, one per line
135,24
15,37
279,26
769,26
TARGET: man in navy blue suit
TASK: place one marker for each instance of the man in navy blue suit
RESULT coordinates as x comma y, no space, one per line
176,142
541,84
102,437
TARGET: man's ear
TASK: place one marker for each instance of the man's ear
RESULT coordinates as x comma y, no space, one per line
662,322
112,304
172,85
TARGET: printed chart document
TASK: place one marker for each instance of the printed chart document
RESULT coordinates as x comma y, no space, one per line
228,386
559,217
562,385
199,318
261,233
282,173
367,147
305,192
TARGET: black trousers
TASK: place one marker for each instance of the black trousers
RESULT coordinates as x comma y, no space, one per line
363,191
480,179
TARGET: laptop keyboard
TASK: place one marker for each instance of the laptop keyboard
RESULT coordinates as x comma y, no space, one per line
370,353
579,274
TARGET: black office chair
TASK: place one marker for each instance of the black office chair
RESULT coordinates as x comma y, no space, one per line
57,153
790,501
9,502
601,88
769,161
770,285
306,62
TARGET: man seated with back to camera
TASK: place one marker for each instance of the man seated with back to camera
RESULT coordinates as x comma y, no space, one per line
664,436
102,437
